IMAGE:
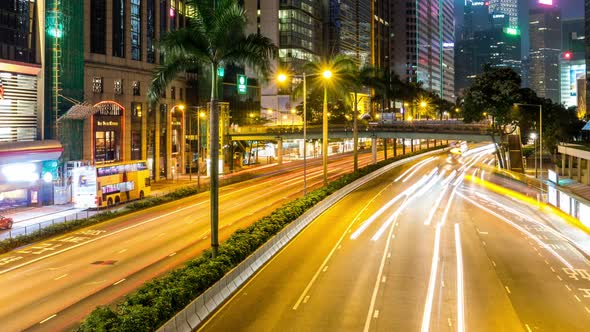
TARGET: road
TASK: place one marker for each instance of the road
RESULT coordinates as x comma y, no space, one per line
420,249
52,285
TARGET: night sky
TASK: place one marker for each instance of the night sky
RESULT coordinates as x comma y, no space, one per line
570,9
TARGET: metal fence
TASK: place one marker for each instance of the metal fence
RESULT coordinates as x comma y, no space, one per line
199,310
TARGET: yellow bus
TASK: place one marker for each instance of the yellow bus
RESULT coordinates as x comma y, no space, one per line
110,184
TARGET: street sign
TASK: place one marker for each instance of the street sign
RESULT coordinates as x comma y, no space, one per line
220,71
242,84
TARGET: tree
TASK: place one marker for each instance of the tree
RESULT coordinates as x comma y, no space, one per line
493,93
214,36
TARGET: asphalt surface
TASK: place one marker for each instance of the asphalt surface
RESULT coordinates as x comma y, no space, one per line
448,255
52,285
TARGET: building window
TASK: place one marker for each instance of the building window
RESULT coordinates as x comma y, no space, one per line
98,13
136,30
172,93
151,31
136,88
163,20
119,28
105,143
172,14
180,94
118,87
97,84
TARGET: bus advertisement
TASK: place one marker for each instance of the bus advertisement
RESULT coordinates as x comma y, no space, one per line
110,184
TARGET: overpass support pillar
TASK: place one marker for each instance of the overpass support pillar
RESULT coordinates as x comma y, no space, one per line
385,148
563,164
374,149
570,166
280,151
587,172
412,145
580,169
395,147
403,146
427,143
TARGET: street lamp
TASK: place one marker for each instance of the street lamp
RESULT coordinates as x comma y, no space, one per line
534,138
540,139
327,75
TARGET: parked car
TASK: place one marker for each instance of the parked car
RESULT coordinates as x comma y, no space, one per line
5,222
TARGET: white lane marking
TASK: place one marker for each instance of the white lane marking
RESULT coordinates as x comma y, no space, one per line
513,224
61,276
449,321
122,251
558,277
383,279
118,282
577,298
568,288
460,294
588,310
325,268
172,254
528,328
379,276
338,244
389,255
552,269
507,289
484,243
102,237
376,314
494,263
442,282
306,299
546,262
434,268
48,318
483,233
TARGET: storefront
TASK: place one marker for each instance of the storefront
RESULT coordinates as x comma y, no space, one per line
18,103
27,172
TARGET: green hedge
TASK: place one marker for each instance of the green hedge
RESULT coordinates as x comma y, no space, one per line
68,226
157,301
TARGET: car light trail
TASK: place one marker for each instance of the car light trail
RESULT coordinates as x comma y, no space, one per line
434,268
449,178
460,294
414,169
435,207
524,231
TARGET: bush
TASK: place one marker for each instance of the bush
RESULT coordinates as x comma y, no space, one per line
157,301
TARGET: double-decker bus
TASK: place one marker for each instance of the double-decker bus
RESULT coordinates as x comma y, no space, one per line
110,184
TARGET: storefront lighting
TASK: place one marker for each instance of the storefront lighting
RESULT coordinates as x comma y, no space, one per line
20,172
47,177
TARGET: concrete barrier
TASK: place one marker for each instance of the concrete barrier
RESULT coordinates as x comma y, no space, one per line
204,305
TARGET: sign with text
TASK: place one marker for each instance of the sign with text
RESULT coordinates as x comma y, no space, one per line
242,84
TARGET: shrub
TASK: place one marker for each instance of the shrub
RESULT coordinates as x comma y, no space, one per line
157,301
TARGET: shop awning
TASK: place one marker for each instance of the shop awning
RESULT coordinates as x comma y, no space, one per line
34,151
78,112
587,126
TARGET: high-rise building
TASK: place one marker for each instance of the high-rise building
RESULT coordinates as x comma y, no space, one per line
424,44
587,46
572,62
507,7
545,50
487,39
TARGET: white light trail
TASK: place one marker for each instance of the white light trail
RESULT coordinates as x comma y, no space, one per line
460,293
435,207
524,231
412,168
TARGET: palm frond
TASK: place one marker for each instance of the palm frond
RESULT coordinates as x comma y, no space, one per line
181,42
166,73
255,51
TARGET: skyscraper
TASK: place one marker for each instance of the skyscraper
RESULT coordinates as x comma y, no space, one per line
545,37
507,7
424,44
349,29
572,63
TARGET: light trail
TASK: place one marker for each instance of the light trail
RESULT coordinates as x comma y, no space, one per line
418,167
435,207
412,168
460,292
524,231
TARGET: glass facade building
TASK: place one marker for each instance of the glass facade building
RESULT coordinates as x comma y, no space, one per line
545,39
349,29
300,33
507,7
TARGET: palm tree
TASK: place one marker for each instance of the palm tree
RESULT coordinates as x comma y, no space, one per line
339,81
214,36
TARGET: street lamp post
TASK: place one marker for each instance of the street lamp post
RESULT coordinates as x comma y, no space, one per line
540,139
534,137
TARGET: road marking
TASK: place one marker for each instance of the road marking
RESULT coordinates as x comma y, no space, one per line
577,298
383,279
388,255
306,299
568,288
528,328
122,251
552,269
460,295
172,254
61,277
493,263
393,236
325,268
450,322
546,262
507,289
588,310
376,314
558,277
376,286
483,233
94,283
118,282
484,243
442,282
340,246
48,318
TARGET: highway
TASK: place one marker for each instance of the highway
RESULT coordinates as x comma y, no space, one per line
52,285
420,249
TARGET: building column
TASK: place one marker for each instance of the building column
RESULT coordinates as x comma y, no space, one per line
157,145
144,141
580,169
403,146
412,145
571,163
374,149
427,143
280,151
182,153
563,164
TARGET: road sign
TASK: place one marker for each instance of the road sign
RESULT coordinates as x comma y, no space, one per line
242,84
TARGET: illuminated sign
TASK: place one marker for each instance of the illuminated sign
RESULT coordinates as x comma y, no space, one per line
512,31
242,84
567,55
1,90
552,176
546,2
448,45
499,16
220,71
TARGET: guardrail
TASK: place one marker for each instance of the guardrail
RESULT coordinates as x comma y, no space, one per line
199,309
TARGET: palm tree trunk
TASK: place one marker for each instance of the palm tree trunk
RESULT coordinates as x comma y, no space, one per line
355,133
214,166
